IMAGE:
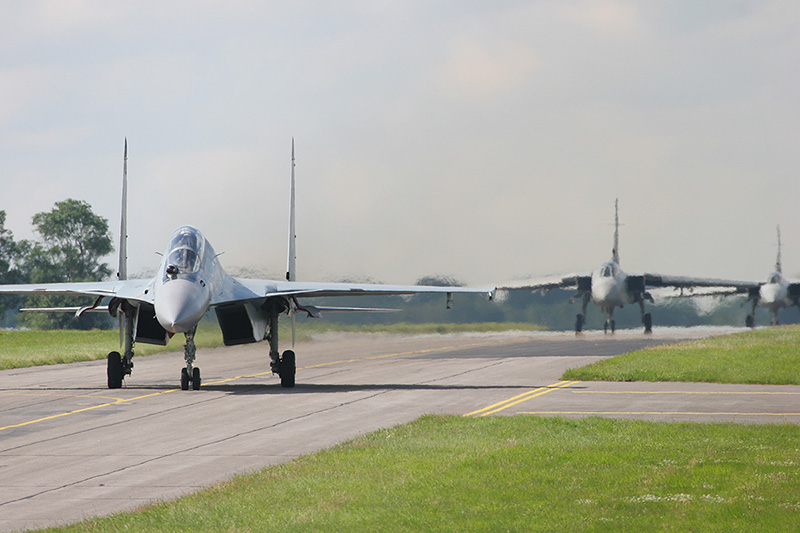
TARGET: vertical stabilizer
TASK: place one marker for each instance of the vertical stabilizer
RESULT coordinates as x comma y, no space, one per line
122,272
778,260
122,267
615,251
290,267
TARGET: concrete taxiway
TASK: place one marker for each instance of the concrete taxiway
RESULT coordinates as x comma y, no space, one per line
71,449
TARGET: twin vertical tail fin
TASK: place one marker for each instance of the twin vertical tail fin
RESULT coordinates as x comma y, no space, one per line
615,251
291,267
122,268
122,272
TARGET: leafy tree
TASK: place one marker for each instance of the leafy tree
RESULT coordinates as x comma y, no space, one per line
75,239
8,259
73,243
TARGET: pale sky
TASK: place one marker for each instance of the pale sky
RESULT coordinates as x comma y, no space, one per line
482,140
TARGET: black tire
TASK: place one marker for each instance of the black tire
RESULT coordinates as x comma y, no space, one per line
184,379
613,326
749,322
648,323
195,378
578,323
114,370
288,369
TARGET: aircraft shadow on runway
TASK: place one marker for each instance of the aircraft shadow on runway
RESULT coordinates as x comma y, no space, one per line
300,388
317,388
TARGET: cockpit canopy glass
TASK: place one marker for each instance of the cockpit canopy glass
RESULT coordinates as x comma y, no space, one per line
607,270
775,278
186,250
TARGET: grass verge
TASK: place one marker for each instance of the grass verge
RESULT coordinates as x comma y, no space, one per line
767,356
510,474
20,349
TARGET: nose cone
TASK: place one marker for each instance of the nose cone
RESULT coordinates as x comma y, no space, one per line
602,289
180,304
770,293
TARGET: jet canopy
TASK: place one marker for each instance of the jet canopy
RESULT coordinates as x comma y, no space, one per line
186,250
775,278
608,270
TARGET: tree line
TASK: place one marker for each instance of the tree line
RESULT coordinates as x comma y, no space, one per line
72,243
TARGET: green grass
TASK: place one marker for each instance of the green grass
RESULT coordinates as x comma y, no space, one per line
510,474
768,356
20,349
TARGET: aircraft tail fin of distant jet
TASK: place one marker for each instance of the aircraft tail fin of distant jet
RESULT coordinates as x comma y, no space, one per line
615,251
778,267
291,266
122,272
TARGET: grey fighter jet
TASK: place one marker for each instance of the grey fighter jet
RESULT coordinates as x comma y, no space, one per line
774,294
609,287
190,281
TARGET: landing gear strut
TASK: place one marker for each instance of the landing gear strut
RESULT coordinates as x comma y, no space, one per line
647,318
610,323
750,320
190,374
580,319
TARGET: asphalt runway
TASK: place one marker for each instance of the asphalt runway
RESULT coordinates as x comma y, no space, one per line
72,449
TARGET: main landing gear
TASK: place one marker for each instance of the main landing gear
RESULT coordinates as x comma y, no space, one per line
119,366
285,366
580,319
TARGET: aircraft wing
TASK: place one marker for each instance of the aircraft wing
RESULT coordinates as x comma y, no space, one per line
651,281
551,282
132,289
687,282
253,289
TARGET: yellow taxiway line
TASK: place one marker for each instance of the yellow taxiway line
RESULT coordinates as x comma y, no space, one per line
524,397
117,401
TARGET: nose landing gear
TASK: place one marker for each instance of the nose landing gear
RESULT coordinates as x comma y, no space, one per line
190,374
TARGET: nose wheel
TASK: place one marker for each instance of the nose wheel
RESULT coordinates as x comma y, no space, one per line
194,379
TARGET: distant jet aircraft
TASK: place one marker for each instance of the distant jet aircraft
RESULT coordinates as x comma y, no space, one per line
191,281
609,287
774,294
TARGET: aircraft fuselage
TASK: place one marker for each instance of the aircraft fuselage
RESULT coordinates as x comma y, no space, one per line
608,287
774,294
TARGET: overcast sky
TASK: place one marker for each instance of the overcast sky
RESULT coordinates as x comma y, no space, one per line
482,140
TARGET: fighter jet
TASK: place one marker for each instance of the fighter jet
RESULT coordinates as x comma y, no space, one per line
191,281
609,287
774,294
